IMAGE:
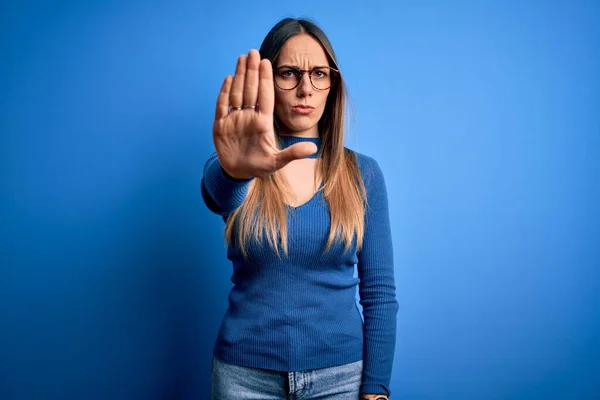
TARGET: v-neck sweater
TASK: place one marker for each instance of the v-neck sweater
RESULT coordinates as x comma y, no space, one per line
300,312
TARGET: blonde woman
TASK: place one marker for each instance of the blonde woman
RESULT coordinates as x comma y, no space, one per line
300,211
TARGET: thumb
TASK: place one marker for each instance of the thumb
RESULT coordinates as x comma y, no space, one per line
294,152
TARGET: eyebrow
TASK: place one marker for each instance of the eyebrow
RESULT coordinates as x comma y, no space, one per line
295,66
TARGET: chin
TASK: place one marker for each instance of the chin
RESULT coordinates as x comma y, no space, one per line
301,128
296,125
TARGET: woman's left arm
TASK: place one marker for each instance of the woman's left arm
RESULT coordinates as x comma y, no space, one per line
377,287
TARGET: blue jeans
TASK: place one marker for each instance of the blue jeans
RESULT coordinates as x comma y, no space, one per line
234,382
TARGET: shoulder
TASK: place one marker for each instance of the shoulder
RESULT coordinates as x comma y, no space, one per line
370,170
374,181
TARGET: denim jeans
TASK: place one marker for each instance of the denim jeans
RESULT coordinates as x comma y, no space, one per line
234,382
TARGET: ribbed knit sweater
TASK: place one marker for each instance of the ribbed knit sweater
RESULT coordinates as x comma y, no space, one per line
300,312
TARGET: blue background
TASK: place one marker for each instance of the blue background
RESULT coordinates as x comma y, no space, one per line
483,116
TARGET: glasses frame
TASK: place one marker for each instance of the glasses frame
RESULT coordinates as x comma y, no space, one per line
309,72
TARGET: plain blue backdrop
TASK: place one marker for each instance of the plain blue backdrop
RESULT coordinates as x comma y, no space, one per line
483,116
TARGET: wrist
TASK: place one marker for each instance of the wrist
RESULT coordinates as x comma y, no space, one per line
234,178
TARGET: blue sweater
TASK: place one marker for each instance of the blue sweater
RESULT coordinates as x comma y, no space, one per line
300,312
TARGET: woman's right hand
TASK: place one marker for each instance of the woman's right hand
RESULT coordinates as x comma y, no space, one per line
245,139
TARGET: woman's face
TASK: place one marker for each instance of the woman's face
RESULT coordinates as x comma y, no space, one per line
304,52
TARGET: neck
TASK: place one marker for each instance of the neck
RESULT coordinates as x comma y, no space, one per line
296,134
312,132
288,140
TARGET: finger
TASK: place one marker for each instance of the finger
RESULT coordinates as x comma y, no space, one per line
223,99
294,152
266,92
237,87
251,81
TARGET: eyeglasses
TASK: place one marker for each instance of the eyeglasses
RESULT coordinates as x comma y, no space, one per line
288,77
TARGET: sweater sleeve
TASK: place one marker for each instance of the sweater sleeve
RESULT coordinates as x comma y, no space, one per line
221,193
377,289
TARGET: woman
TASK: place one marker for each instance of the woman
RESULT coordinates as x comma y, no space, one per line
301,211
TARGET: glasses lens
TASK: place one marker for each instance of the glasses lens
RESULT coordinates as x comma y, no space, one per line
321,78
288,78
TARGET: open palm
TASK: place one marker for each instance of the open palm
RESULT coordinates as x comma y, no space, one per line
245,138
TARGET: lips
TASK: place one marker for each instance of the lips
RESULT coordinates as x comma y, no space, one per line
302,109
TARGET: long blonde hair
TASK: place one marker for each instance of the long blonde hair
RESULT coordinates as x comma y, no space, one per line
264,211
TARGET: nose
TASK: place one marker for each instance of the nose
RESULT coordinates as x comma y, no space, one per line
305,87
